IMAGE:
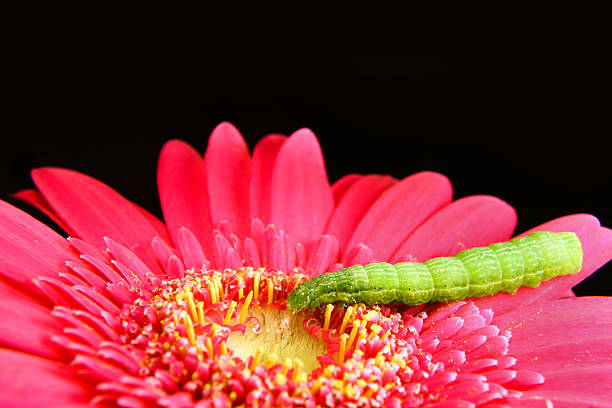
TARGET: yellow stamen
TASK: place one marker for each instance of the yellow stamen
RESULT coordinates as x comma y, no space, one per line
213,292
191,308
280,379
350,391
387,333
220,291
347,316
296,368
270,291
189,328
213,329
362,334
317,385
256,284
175,320
328,311
343,338
256,358
209,347
272,357
298,281
223,348
245,307
201,312
286,366
230,312
375,329
356,326
241,290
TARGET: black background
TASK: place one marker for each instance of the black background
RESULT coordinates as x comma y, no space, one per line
525,123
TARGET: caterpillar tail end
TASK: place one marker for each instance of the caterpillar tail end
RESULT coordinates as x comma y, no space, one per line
298,300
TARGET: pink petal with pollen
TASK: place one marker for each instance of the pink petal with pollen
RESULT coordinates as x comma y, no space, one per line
30,381
569,342
93,210
353,205
302,200
228,169
30,248
597,247
399,210
35,199
264,157
342,185
27,326
183,192
466,223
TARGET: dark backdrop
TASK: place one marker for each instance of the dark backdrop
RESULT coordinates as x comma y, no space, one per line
523,124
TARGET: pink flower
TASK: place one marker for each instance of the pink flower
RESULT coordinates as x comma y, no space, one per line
133,312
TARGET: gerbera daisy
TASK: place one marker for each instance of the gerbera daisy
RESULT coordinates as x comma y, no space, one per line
132,312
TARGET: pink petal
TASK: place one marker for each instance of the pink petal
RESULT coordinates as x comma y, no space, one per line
466,223
264,157
597,247
30,248
228,170
30,381
569,342
93,210
302,200
399,210
183,192
353,205
35,199
342,185
27,326
158,226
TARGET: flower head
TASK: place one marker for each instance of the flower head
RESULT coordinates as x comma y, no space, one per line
133,312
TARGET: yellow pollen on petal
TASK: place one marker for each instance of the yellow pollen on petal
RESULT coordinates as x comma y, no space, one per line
343,338
328,311
245,307
356,326
270,291
347,316
256,284
230,312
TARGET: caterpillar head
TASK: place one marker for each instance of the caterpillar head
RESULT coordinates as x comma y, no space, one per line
299,299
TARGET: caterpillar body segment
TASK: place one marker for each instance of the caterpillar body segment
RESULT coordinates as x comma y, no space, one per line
475,272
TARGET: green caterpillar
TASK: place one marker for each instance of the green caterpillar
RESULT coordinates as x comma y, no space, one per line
475,272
